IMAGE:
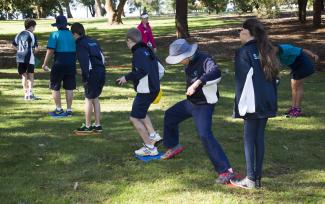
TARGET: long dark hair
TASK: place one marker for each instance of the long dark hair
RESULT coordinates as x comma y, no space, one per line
267,51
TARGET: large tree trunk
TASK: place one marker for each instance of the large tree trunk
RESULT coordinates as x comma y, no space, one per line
302,6
92,10
67,6
115,15
99,10
181,19
317,17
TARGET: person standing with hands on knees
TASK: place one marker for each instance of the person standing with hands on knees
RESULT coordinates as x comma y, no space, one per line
256,70
92,64
62,46
202,77
145,78
146,32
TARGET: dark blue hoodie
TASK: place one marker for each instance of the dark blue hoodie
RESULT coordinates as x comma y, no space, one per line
265,91
144,74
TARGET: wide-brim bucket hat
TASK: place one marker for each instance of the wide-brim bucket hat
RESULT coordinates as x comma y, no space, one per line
179,50
60,21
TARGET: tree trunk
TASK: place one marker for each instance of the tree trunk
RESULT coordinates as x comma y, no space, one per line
99,9
67,6
317,16
115,15
60,9
181,19
302,6
92,10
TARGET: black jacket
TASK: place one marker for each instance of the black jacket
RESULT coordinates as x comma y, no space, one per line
265,91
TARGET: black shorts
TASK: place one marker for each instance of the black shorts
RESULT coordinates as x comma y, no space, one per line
58,75
25,68
302,67
94,86
141,104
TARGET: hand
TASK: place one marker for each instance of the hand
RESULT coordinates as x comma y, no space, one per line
46,68
315,57
121,80
191,90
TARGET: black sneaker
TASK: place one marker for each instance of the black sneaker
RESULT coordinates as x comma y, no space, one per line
57,112
68,113
258,183
224,178
97,128
83,130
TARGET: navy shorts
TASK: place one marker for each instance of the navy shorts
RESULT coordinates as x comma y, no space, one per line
141,104
25,68
94,85
58,74
302,67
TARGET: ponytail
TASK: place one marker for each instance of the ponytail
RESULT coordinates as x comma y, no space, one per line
267,51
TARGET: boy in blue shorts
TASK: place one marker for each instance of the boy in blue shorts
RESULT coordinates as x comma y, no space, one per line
26,44
91,61
145,78
62,46
298,59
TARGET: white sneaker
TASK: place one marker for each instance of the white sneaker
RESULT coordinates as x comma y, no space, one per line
146,151
155,138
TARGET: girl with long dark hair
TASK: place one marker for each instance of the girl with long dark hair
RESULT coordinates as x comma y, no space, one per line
256,69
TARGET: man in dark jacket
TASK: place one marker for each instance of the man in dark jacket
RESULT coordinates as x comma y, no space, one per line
145,78
202,76
92,66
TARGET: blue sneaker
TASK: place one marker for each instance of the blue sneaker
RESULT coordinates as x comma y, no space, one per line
57,113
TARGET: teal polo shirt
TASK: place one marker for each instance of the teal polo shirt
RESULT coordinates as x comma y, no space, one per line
64,46
288,53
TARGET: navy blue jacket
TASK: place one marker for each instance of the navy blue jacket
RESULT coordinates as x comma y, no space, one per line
265,91
144,74
202,67
90,57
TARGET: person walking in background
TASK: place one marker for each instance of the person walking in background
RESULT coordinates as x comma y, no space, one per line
298,59
146,32
256,70
26,45
145,78
62,46
92,64
202,76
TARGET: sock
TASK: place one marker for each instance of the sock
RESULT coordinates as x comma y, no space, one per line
69,109
230,170
97,125
152,134
150,146
58,108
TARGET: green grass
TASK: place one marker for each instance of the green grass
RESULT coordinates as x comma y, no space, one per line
41,160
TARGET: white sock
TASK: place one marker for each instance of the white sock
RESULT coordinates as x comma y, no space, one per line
230,170
152,134
69,109
58,108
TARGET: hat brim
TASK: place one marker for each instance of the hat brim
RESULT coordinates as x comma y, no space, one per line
178,58
60,25
144,16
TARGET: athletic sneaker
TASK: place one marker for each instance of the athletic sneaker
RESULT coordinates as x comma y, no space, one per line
289,111
155,139
224,178
97,128
296,112
83,130
68,113
146,151
171,152
57,112
244,183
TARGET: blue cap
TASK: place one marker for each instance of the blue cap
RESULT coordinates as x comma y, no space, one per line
61,21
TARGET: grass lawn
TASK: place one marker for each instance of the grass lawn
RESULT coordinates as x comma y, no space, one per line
41,161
